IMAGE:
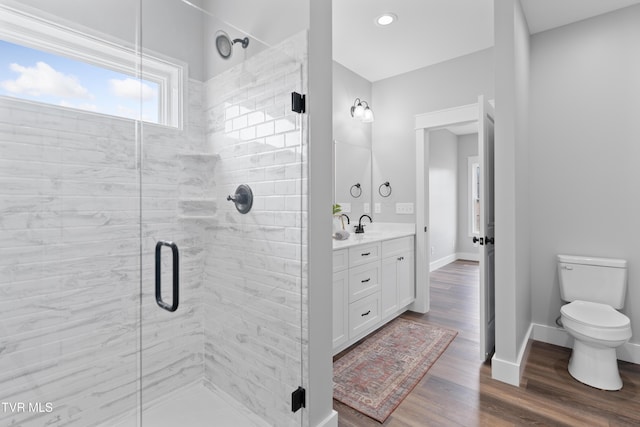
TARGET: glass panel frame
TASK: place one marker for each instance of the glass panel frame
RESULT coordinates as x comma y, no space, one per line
70,220
242,276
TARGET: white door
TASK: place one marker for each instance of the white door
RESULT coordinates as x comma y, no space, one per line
487,225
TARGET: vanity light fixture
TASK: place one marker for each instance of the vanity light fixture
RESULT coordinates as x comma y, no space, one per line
361,110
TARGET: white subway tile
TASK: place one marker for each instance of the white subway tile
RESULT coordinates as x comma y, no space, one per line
240,122
232,112
255,117
275,141
286,124
265,129
248,134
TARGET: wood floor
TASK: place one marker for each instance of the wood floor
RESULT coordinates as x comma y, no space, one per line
458,389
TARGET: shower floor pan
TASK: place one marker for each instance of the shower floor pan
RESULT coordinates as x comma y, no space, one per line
195,406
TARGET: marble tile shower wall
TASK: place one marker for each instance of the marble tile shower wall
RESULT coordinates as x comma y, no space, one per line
176,206
255,270
70,262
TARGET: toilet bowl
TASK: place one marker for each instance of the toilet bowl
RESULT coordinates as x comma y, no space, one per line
595,289
598,329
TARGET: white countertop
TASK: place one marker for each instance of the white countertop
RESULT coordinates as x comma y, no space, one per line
376,232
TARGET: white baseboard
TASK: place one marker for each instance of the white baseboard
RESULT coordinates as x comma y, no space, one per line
468,256
330,421
511,372
630,352
439,263
505,371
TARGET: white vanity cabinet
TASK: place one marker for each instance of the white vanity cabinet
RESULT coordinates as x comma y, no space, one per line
364,289
398,278
373,282
340,297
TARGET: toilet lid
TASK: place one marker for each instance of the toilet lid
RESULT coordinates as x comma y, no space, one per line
595,314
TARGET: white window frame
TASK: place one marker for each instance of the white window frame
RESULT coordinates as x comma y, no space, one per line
36,32
472,162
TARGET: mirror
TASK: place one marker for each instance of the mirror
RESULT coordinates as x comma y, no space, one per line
352,189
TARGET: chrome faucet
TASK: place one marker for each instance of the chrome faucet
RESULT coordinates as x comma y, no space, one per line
360,226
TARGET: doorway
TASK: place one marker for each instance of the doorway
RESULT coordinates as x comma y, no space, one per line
453,194
482,114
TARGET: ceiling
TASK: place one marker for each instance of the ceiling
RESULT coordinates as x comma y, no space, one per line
431,31
544,15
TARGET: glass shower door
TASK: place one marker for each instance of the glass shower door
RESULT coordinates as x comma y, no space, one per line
69,214
223,279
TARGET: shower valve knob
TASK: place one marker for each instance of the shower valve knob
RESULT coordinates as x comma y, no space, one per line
236,198
243,199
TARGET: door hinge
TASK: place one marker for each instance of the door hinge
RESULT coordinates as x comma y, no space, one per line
298,102
298,399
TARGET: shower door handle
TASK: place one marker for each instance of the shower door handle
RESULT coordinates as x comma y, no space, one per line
176,276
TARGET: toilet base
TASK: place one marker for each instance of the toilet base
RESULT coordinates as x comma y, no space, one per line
595,366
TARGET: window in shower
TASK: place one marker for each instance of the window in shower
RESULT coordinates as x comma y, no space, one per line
35,75
45,62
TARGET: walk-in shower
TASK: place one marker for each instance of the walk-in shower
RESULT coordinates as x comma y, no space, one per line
132,292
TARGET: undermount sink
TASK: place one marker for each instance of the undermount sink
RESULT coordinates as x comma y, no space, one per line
375,232
367,233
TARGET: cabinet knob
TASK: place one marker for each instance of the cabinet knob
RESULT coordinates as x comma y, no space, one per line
365,314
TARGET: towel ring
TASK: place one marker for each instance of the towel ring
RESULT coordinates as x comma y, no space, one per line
387,192
356,190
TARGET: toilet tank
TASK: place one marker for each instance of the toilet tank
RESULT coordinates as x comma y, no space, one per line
602,280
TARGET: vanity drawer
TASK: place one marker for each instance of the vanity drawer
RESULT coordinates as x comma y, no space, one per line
364,254
364,280
340,260
364,314
397,246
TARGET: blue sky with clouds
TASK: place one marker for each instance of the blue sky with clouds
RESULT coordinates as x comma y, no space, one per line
39,76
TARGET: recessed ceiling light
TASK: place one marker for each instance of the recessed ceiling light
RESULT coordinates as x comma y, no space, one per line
386,19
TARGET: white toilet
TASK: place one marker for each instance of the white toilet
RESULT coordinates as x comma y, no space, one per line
595,289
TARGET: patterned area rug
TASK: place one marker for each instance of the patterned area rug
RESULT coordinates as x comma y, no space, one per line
376,376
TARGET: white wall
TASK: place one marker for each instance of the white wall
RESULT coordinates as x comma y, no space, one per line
398,99
443,190
262,22
347,86
585,101
353,141
164,25
467,147
271,22
512,278
118,18
449,196
319,370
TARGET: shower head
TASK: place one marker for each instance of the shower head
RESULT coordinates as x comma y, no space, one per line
224,44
